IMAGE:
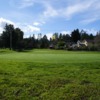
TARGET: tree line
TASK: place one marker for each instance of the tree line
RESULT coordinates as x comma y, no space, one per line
12,38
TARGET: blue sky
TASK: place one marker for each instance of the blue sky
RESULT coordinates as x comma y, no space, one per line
50,16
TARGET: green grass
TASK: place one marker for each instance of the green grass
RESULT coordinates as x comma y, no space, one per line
49,75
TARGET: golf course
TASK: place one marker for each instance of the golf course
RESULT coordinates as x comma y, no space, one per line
44,74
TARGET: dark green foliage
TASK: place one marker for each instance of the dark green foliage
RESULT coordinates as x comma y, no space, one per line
97,41
11,37
29,43
7,35
91,37
61,45
67,38
75,35
44,42
84,35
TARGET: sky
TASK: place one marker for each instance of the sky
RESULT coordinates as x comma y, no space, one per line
50,16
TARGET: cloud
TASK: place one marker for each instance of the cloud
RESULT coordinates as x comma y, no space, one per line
87,11
92,14
21,3
54,9
66,32
30,29
76,8
43,11
26,3
3,22
50,12
25,27
90,20
49,35
1,29
89,31
36,23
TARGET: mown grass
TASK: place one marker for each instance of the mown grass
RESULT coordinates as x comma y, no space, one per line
49,75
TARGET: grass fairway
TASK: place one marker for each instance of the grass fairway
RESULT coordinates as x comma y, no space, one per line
49,75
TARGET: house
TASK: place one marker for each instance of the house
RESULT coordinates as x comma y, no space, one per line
82,43
79,44
51,46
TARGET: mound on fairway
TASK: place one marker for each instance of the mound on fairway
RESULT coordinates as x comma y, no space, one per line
49,75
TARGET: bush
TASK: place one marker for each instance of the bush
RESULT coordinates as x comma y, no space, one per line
93,48
60,45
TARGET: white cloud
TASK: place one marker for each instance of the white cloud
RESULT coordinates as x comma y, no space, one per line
76,8
26,3
36,23
49,35
25,27
80,8
90,20
66,32
21,3
89,31
50,12
30,29
88,11
3,22
1,29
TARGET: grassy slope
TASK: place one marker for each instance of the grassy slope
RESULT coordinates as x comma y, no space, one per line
49,75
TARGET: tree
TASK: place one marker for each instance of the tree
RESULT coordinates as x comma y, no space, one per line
45,42
60,37
97,40
91,37
12,37
28,43
55,38
7,36
1,42
66,38
75,35
17,38
84,35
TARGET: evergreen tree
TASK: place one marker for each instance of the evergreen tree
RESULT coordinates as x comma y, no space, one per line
75,35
